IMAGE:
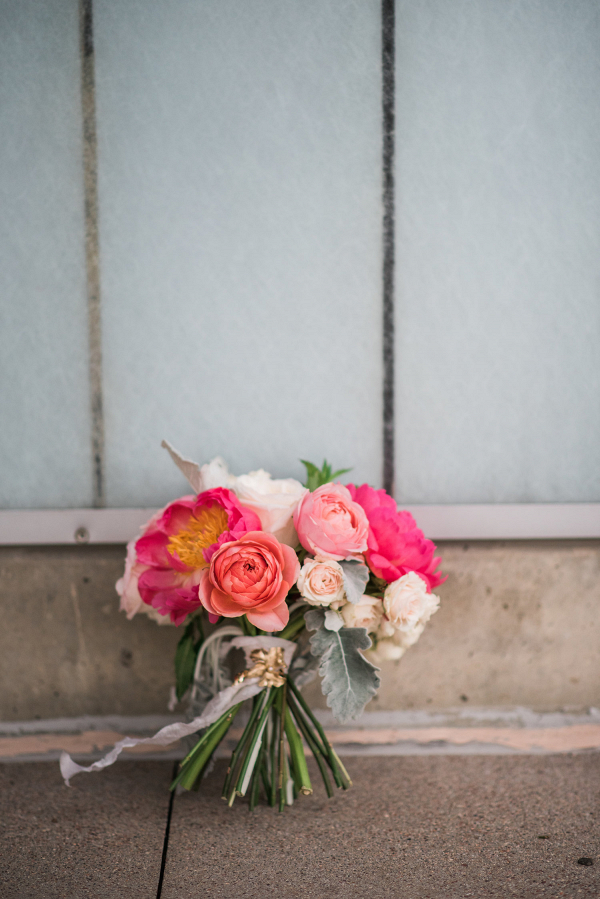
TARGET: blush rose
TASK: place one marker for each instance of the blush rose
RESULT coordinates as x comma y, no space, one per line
321,582
408,607
330,524
251,576
366,613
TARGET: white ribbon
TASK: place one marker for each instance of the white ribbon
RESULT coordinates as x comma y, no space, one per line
215,708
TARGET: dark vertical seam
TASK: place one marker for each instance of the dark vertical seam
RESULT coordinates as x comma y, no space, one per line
92,258
388,95
165,851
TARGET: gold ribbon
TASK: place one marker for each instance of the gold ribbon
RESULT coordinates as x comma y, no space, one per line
269,665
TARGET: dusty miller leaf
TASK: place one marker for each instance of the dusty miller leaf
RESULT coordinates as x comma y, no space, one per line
349,681
303,669
356,578
314,619
333,620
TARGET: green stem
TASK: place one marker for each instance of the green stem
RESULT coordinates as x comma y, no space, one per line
241,743
272,755
255,783
264,758
205,736
288,783
249,629
312,744
339,772
251,753
191,770
281,758
300,768
292,628
343,770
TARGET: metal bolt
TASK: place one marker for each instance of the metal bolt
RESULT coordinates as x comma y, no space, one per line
82,535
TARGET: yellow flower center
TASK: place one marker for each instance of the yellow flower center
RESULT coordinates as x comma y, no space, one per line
202,532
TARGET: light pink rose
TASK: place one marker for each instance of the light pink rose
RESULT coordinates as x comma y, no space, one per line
321,582
251,576
330,524
408,607
385,651
366,613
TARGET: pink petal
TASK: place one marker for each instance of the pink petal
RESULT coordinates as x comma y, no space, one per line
271,620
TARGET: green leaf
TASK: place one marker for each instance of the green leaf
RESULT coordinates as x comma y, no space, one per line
349,681
312,475
185,658
316,477
340,471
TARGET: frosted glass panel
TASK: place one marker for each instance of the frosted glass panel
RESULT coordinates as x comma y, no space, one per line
498,254
45,457
240,209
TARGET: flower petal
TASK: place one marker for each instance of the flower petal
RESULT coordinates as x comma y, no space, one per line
270,620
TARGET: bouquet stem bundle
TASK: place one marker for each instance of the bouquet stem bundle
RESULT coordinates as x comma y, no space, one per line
270,753
268,561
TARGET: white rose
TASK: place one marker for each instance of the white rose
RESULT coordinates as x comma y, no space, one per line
214,474
408,607
366,613
274,501
385,651
321,582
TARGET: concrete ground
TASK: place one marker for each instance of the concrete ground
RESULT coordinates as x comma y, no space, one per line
415,827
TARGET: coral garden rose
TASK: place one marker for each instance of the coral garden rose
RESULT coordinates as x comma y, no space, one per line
330,524
321,582
366,613
274,501
395,544
251,576
178,544
408,607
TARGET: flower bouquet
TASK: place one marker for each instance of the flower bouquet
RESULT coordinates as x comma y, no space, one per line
297,579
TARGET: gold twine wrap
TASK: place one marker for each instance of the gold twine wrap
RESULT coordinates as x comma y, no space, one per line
269,665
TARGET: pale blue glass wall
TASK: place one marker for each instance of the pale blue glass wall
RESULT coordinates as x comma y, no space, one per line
239,150
498,251
240,245
45,455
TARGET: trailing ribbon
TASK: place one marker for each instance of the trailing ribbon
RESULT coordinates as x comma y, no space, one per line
223,701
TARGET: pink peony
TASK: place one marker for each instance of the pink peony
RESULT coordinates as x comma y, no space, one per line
330,524
251,576
396,544
176,548
127,586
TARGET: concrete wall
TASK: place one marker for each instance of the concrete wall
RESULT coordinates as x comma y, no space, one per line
518,625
